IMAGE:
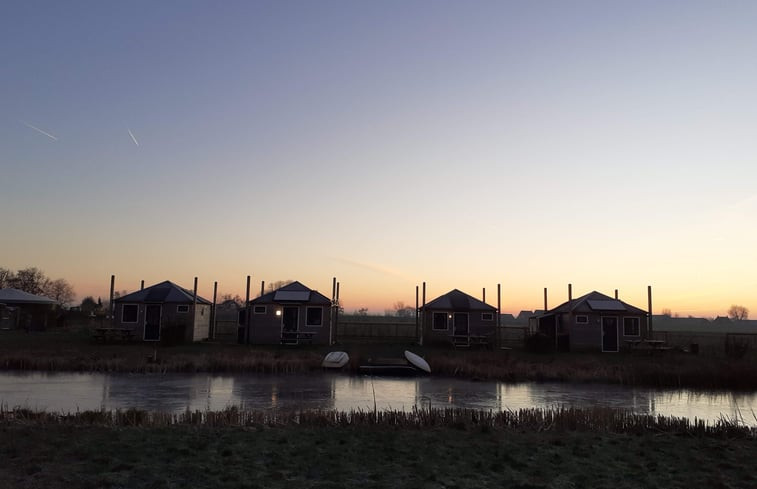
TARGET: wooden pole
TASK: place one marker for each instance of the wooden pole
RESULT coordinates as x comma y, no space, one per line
423,316
649,316
112,306
416,313
212,332
194,309
545,300
336,318
247,313
499,314
334,310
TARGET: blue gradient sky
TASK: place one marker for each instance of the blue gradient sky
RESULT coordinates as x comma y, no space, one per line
607,144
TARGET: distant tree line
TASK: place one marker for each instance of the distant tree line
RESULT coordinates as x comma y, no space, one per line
34,281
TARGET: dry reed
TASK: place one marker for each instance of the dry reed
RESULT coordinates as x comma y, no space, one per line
596,419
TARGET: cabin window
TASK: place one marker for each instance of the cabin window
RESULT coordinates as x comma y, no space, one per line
258,310
631,326
182,308
314,316
582,319
129,313
487,316
439,322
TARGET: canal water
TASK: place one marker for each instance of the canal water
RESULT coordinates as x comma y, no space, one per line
68,392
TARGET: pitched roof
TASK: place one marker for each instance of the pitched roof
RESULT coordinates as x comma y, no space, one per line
456,300
15,296
163,292
595,302
294,293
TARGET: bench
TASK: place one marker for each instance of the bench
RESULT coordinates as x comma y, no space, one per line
466,341
648,345
294,337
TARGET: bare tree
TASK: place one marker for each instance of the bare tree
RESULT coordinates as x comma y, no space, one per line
361,312
60,290
233,298
6,278
88,305
738,313
402,311
278,284
30,280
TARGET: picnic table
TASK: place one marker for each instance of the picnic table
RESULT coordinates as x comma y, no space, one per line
648,345
294,337
107,335
468,340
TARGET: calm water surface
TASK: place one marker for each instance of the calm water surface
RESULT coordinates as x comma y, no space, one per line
177,392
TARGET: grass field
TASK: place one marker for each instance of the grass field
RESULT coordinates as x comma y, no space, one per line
41,454
61,350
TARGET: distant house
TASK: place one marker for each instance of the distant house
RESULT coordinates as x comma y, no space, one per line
592,322
162,310
22,310
290,315
457,316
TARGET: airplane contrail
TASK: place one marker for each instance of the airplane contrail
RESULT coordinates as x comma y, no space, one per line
41,131
132,137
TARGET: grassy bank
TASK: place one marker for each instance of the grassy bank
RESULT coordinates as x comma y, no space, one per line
60,350
328,450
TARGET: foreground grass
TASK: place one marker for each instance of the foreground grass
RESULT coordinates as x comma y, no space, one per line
60,350
94,456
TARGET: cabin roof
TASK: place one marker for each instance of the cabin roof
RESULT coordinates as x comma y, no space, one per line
594,302
16,296
295,293
456,300
163,292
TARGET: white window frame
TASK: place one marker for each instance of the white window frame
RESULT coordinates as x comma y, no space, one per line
446,321
638,326
182,306
485,318
307,324
136,320
586,319
255,310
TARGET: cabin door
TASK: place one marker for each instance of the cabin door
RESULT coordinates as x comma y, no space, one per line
610,334
460,324
290,321
153,312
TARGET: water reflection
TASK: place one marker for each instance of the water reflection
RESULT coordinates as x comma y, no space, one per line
177,392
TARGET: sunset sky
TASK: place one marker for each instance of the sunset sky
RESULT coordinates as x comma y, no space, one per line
533,144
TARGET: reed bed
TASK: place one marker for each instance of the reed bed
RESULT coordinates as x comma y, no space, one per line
607,420
667,370
74,352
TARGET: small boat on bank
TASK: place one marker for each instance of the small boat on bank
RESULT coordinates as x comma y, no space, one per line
417,361
335,359
410,365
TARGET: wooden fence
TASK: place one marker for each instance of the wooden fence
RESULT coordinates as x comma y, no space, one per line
376,330
732,344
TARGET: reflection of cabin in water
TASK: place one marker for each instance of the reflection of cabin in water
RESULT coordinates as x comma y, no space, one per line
291,314
458,316
164,309
22,310
592,322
